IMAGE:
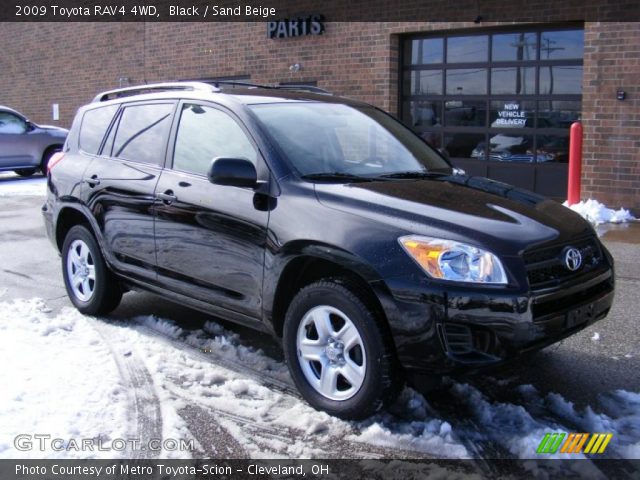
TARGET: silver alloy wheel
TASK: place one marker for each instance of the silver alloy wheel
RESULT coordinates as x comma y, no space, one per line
81,270
331,353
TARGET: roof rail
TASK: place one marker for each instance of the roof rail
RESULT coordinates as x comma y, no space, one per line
154,87
305,88
242,83
237,83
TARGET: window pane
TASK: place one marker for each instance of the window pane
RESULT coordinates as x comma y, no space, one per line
9,123
562,44
421,114
468,49
558,113
465,113
512,114
423,82
553,148
142,133
565,79
205,133
433,138
471,81
462,145
514,47
513,81
511,147
425,51
94,125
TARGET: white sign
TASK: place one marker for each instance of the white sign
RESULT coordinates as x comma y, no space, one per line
511,116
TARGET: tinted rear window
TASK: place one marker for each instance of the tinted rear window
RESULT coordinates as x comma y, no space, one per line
94,125
142,133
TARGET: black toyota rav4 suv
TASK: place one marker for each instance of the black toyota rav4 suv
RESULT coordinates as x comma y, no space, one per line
323,221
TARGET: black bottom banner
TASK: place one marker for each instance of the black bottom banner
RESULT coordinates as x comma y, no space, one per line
314,469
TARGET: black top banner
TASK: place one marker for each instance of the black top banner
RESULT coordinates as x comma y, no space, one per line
476,11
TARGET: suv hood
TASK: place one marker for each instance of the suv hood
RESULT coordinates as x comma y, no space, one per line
54,128
474,210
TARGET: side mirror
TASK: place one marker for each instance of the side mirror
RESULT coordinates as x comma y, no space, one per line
235,172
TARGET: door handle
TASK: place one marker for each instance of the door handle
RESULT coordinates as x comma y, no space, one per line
93,181
167,197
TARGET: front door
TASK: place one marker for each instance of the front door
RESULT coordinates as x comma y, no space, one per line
210,239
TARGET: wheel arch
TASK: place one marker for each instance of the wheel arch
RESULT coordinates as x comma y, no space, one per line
67,218
48,151
315,262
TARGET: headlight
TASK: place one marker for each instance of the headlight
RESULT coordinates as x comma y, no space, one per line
454,261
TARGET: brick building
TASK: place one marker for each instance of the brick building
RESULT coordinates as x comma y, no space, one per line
498,97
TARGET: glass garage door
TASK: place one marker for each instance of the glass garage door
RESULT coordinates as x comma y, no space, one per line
499,102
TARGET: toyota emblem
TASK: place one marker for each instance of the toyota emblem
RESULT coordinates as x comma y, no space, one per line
572,258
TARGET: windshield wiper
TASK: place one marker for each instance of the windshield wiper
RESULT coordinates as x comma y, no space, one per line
340,176
414,174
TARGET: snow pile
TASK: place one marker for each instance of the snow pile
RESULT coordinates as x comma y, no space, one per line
421,430
23,186
621,417
596,213
75,377
511,426
410,426
58,379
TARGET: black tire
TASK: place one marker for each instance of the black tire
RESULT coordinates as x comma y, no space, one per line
382,380
106,289
25,172
46,157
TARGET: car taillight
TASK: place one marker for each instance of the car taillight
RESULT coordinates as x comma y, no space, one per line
55,158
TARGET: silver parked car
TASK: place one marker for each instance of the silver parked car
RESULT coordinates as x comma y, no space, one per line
24,146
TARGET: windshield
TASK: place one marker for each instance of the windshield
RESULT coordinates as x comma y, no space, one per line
326,138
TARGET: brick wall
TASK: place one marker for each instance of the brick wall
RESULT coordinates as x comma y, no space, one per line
611,169
69,63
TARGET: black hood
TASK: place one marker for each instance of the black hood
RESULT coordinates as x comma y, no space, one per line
476,210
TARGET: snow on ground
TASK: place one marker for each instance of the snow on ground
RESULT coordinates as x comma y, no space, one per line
61,377
11,186
597,213
57,378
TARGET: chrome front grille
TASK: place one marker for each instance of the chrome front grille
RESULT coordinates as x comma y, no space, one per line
546,266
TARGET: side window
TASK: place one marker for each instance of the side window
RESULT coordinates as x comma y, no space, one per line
142,133
205,133
94,125
10,123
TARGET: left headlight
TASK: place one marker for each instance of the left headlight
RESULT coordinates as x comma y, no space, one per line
454,261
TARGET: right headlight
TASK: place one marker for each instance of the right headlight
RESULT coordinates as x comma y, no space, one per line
454,261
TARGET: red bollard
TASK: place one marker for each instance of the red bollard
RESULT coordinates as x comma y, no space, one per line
575,163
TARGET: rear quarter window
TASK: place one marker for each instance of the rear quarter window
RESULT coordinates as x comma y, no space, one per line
95,123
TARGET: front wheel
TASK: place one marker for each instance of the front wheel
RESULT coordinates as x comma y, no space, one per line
91,286
337,353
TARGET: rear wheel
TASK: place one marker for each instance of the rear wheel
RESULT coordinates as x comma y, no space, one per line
25,172
91,286
337,353
47,156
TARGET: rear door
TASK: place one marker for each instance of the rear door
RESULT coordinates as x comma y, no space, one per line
120,184
210,239
16,146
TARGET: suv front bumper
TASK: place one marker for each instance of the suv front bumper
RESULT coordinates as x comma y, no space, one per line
442,331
